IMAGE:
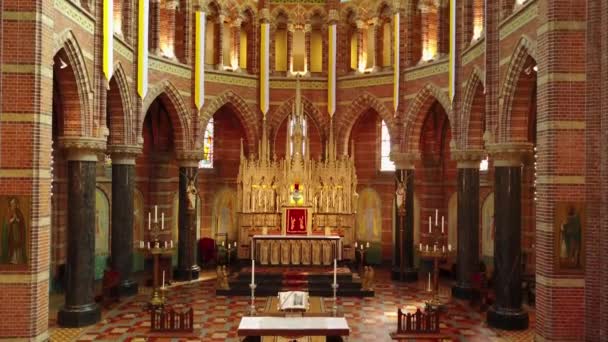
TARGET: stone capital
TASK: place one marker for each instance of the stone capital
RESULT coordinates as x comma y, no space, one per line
404,160
333,17
189,158
124,154
510,154
171,4
237,23
82,148
468,159
361,24
264,15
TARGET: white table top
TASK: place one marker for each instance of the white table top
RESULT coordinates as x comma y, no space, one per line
297,326
298,237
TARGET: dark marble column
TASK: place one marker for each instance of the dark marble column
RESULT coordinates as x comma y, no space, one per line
80,308
123,186
507,312
468,226
403,253
187,269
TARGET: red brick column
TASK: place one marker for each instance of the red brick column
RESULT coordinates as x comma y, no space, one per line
26,106
220,42
596,173
560,180
154,27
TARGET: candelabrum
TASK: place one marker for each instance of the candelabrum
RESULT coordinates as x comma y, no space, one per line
156,247
436,250
362,247
252,286
334,308
231,246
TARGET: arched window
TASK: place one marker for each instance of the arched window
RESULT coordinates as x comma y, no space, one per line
207,161
386,164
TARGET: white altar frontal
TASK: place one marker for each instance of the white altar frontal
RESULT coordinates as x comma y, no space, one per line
314,201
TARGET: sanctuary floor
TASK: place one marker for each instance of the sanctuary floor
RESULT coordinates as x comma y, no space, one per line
217,317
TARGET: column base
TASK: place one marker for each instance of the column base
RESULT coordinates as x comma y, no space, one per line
409,274
79,316
462,292
128,288
507,320
186,274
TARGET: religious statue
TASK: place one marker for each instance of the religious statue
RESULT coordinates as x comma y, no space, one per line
191,192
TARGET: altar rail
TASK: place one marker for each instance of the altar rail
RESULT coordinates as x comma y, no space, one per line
418,325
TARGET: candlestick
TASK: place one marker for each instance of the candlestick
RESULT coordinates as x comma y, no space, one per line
335,271
436,216
429,287
162,221
442,221
163,279
149,220
155,214
252,271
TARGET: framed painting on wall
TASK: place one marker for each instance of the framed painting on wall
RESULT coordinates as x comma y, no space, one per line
569,228
15,226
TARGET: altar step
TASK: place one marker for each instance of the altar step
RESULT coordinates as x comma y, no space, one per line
269,284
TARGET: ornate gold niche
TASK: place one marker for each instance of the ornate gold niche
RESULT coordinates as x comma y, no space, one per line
266,188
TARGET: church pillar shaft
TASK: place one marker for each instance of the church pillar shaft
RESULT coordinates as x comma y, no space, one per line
507,312
468,230
123,186
403,256
187,269
80,308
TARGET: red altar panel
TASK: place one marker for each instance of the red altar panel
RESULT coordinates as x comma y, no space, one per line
296,221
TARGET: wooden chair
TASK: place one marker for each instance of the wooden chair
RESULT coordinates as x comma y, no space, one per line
418,325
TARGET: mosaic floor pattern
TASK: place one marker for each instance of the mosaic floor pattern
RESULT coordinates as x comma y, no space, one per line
216,318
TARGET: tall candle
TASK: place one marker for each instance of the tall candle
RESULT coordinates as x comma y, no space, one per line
421,246
148,244
335,271
449,247
162,221
442,222
149,220
171,243
429,288
163,279
252,271
155,214
367,245
443,248
436,216
429,224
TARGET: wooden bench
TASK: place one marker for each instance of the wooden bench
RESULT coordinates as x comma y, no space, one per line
170,320
253,328
418,325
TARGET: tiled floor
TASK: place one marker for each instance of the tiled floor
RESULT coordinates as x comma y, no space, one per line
216,317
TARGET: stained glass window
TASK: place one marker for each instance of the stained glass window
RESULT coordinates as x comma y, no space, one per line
385,150
207,162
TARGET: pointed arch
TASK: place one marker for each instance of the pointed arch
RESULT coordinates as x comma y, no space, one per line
344,123
474,83
417,111
525,48
178,112
67,42
320,120
249,119
126,119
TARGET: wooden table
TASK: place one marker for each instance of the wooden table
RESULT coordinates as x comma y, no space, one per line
293,326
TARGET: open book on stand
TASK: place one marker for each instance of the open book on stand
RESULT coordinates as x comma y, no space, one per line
293,300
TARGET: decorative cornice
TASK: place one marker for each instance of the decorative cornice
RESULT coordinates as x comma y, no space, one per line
468,159
426,70
177,69
76,14
125,154
404,160
475,50
510,154
519,19
123,49
232,78
287,83
365,80
82,148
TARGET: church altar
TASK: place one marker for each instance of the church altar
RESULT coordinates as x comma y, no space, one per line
296,195
296,250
